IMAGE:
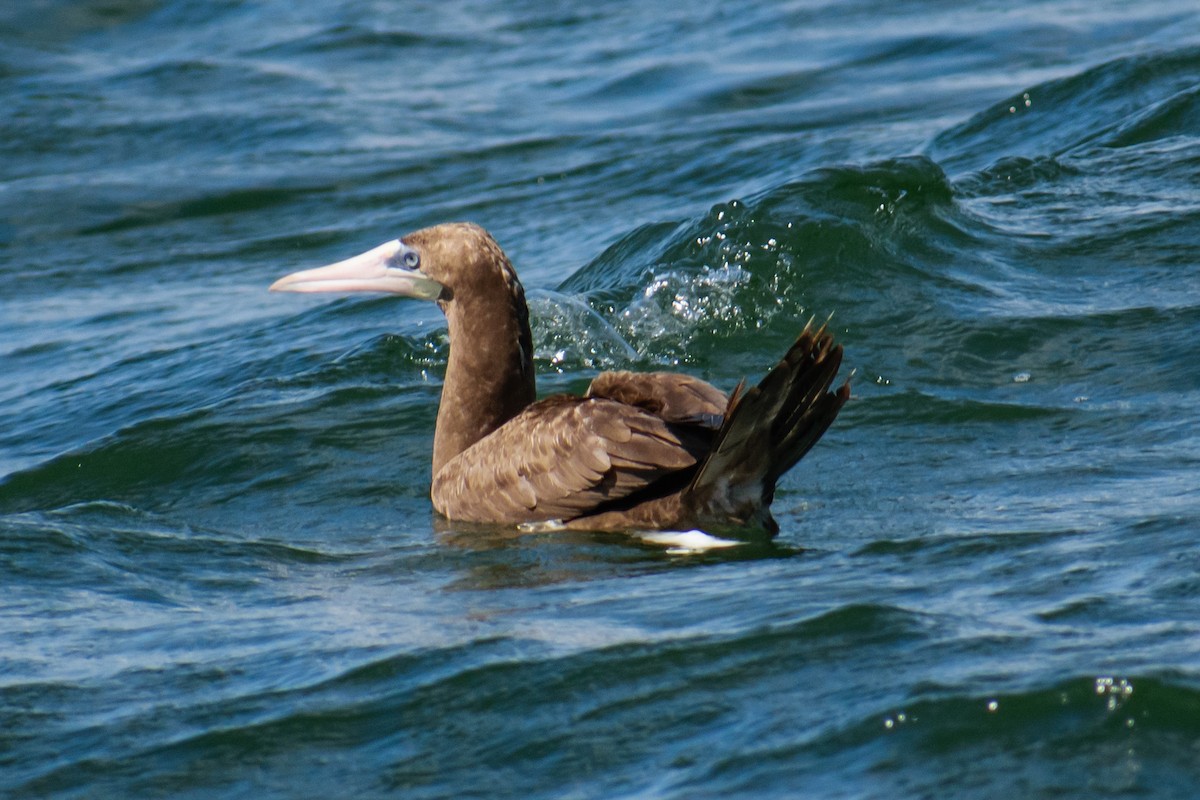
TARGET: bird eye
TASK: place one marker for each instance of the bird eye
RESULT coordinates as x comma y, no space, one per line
410,259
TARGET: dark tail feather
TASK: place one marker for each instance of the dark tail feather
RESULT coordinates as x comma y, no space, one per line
767,430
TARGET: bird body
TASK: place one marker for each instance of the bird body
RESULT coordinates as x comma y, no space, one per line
639,451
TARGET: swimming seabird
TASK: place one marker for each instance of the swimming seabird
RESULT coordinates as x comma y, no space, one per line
638,451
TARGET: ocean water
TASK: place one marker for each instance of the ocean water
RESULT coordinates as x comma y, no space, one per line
220,573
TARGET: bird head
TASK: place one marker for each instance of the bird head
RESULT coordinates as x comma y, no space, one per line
430,264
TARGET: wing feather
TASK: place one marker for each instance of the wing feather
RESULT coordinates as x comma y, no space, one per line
672,396
561,458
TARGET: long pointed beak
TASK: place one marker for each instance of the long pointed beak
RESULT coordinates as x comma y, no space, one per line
377,270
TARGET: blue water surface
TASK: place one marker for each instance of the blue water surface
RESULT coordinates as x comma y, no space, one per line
220,572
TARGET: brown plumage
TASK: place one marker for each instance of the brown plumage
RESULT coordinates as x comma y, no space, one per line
639,451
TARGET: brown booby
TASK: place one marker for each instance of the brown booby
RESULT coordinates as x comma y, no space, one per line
639,451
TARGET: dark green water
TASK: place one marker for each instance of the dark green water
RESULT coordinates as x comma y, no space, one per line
220,575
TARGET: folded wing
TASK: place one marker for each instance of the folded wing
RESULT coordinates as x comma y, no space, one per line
566,457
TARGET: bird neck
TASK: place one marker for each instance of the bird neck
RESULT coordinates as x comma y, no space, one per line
489,374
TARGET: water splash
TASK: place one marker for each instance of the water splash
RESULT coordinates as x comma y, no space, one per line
570,334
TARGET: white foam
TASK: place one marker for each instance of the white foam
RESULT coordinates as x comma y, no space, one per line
684,542
546,526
